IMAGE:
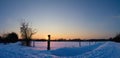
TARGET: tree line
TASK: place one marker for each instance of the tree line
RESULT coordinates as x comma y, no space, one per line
9,38
27,32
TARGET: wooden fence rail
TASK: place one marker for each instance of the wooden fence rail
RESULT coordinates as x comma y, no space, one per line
48,41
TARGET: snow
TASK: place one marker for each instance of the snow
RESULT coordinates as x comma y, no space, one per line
61,44
74,51
98,50
107,50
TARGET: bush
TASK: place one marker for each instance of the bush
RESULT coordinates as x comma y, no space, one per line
117,38
12,37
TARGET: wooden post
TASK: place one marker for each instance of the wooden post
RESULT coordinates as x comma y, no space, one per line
48,43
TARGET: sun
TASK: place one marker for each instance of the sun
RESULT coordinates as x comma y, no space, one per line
46,37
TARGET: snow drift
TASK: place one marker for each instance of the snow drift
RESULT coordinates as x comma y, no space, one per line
99,50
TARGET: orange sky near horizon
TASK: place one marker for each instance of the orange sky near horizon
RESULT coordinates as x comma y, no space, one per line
83,19
70,36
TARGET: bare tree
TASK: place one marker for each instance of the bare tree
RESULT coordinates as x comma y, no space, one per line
26,33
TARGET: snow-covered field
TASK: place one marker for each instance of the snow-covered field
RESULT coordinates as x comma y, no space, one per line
61,44
98,50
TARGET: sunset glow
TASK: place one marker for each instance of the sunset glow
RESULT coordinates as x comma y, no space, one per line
67,19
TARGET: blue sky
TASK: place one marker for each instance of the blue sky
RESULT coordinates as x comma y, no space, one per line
62,18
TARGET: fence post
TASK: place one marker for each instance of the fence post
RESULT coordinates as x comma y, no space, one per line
79,44
33,43
48,43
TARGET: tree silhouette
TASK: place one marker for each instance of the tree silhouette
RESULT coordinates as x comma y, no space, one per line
26,33
4,38
8,38
0,39
117,38
12,37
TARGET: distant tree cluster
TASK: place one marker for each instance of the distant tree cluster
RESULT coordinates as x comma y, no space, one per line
26,33
116,38
9,38
61,39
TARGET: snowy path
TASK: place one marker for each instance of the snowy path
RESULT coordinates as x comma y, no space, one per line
101,50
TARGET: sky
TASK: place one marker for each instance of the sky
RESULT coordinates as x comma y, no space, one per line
85,19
